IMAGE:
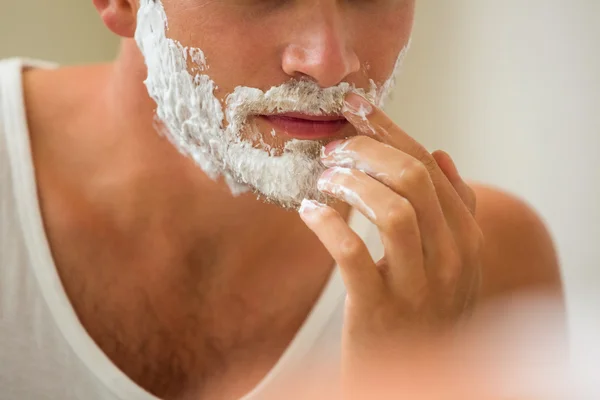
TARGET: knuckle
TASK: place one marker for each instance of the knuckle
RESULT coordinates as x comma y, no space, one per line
350,248
414,173
428,161
424,157
400,214
388,125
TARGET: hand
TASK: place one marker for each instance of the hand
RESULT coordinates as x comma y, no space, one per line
430,273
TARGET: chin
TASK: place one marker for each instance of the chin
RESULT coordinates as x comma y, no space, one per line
294,204
283,175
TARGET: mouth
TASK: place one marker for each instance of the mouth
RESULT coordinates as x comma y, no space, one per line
307,127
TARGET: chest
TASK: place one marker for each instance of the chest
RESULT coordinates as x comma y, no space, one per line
181,337
187,327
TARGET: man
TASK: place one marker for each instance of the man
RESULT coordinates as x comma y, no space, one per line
138,265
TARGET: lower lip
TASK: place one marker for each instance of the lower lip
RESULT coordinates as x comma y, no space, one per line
306,129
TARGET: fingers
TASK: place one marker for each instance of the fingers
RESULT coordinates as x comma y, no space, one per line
446,234
372,121
446,164
359,272
403,174
417,200
395,219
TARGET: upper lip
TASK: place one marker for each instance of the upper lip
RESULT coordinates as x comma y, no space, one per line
307,117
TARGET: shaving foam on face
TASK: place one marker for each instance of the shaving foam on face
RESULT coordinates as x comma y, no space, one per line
200,127
388,86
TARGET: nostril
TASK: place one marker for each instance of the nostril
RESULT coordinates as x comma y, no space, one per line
324,59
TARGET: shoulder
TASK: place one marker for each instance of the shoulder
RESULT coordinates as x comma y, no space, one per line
519,253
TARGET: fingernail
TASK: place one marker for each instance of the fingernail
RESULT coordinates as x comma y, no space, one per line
331,147
357,105
310,206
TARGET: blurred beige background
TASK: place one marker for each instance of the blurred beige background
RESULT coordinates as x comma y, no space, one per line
65,31
511,89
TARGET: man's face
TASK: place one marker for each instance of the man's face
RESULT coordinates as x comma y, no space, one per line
252,89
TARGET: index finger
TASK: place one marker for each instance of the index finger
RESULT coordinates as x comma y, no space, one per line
359,272
371,121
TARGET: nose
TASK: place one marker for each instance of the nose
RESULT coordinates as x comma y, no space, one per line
322,51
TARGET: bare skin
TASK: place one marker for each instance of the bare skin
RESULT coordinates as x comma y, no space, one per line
429,278
164,267
150,248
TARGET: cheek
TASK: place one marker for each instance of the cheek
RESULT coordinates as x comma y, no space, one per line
379,44
235,51
199,24
245,62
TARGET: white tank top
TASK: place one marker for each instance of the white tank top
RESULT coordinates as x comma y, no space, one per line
45,352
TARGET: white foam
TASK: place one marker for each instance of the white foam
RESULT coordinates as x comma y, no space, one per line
196,122
310,205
